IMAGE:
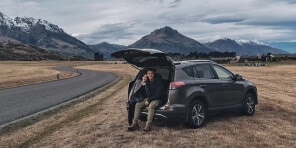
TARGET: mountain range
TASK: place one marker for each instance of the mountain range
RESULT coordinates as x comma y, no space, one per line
242,47
25,52
50,37
42,34
106,48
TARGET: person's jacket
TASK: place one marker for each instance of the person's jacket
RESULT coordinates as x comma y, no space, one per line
154,89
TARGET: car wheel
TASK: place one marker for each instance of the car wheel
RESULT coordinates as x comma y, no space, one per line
197,114
248,105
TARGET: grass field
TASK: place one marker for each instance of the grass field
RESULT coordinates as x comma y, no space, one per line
22,73
101,121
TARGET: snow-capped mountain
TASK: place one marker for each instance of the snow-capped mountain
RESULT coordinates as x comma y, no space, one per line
243,47
43,34
27,23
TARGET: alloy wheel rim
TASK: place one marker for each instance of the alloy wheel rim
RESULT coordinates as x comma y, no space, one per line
250,104
198,114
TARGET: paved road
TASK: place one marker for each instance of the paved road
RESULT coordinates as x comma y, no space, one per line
19,102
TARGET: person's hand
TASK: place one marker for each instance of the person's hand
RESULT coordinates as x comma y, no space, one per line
144,78
146,103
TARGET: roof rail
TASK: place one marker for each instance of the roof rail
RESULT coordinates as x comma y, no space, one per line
192,61
200,61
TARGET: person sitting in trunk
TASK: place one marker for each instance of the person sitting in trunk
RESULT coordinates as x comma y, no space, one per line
154,90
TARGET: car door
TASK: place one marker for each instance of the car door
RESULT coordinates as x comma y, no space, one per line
232,90
208,82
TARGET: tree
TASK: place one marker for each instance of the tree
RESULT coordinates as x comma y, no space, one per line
98,56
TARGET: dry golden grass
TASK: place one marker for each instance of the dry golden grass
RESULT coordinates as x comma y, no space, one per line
23,73
18,73
101,121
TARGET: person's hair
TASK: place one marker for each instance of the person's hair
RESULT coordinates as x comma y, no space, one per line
151,69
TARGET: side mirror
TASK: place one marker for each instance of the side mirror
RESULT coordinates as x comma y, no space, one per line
238,77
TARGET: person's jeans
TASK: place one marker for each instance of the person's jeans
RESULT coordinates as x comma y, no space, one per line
151,110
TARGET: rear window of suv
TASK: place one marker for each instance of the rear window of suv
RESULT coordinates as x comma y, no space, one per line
199,71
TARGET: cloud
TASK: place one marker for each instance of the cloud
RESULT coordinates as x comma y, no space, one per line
222,19
175,3
109,33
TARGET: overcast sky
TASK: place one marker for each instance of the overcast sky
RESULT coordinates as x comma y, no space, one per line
126,21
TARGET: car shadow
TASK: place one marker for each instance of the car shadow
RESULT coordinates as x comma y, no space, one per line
222,116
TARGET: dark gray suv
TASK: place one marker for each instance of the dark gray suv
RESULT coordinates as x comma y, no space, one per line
193,89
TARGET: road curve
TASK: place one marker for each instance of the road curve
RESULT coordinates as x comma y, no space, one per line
19,102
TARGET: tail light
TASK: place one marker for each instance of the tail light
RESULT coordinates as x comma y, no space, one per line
175,85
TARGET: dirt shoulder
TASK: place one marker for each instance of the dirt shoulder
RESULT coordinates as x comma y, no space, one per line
101,121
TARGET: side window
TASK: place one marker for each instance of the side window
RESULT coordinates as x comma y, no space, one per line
189,71
222,73
204,71
165,73
200,71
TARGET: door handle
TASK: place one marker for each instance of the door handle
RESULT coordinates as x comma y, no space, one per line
203,86
224,85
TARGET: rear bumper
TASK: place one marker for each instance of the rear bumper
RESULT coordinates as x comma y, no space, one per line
176,112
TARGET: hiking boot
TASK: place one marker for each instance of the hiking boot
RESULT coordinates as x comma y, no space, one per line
133,127
146,128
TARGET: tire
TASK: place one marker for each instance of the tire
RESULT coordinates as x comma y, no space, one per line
197,114
248,107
